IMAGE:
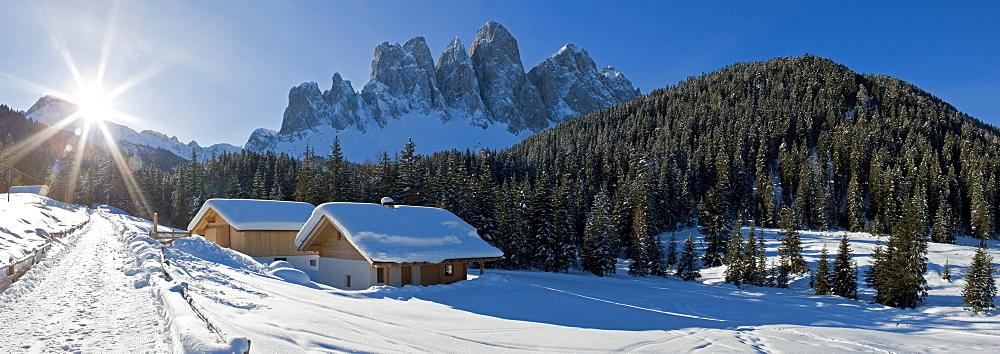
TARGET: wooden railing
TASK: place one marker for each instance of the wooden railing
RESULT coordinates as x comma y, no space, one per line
16,269
165,237
186,294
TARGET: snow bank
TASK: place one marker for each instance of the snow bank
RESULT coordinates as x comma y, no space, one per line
26,214
402,234
190,332
288,273
253,214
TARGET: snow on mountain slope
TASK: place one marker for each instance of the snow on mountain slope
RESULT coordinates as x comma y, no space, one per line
548,312
438,105
50,110
429,134
26,220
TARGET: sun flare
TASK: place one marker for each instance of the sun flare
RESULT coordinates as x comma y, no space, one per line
94,104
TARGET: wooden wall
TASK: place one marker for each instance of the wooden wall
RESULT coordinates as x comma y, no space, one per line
265,243
334,244
251,243
431,274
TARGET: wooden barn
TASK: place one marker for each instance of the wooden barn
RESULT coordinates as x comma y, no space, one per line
362,245
262,229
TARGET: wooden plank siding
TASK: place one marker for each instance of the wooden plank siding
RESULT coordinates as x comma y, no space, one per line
265,243
336,245
254,243
433,273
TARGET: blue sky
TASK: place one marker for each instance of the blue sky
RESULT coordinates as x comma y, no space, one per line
213,71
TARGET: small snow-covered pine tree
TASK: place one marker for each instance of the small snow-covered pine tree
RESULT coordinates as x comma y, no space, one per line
687,267
791,245
946,271
734,258
845,275
980,288
600,249
821,281
753,272
671,257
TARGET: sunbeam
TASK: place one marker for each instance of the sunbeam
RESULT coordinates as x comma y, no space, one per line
94,104
124,170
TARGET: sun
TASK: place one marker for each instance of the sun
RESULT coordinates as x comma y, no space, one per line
95,105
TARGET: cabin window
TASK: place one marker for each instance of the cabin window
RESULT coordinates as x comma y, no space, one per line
280,259
449,269
380,275
347,281
312,262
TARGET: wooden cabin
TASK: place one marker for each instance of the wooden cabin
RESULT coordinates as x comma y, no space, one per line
362,245
262,229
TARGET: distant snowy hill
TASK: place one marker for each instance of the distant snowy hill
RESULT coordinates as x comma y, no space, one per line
480,98
50,110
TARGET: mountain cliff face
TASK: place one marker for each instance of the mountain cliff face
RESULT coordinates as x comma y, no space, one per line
467,100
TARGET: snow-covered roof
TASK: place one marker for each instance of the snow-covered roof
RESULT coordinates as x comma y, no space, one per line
39,189
403,234
254,214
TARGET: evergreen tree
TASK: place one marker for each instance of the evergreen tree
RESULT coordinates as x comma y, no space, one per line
640,243
408,181
761,262
821,280
543,228
671,256
655,256
898,275
754,270
307,185
855,205
845,276
946,271
980,287
259,191
735,266
944,229
782,273
337,175
599,247
713,227
687,267
791,245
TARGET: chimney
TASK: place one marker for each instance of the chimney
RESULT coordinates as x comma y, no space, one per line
388,203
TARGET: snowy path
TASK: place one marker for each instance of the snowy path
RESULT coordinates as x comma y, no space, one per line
81,300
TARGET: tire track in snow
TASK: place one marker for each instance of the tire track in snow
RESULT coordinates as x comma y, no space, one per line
82,301
627,305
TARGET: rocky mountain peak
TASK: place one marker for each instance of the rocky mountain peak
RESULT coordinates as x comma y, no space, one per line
570,85
484,88
456,78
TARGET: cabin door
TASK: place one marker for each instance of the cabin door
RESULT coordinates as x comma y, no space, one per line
222,236
406,275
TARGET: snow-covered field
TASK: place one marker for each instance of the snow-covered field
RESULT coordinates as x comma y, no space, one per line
26,220
103,291
534,311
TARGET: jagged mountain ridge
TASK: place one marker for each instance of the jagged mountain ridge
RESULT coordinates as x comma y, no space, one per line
50,110
480,98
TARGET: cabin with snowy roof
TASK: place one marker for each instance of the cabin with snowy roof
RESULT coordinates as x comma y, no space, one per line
41,190
262,229
362,245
